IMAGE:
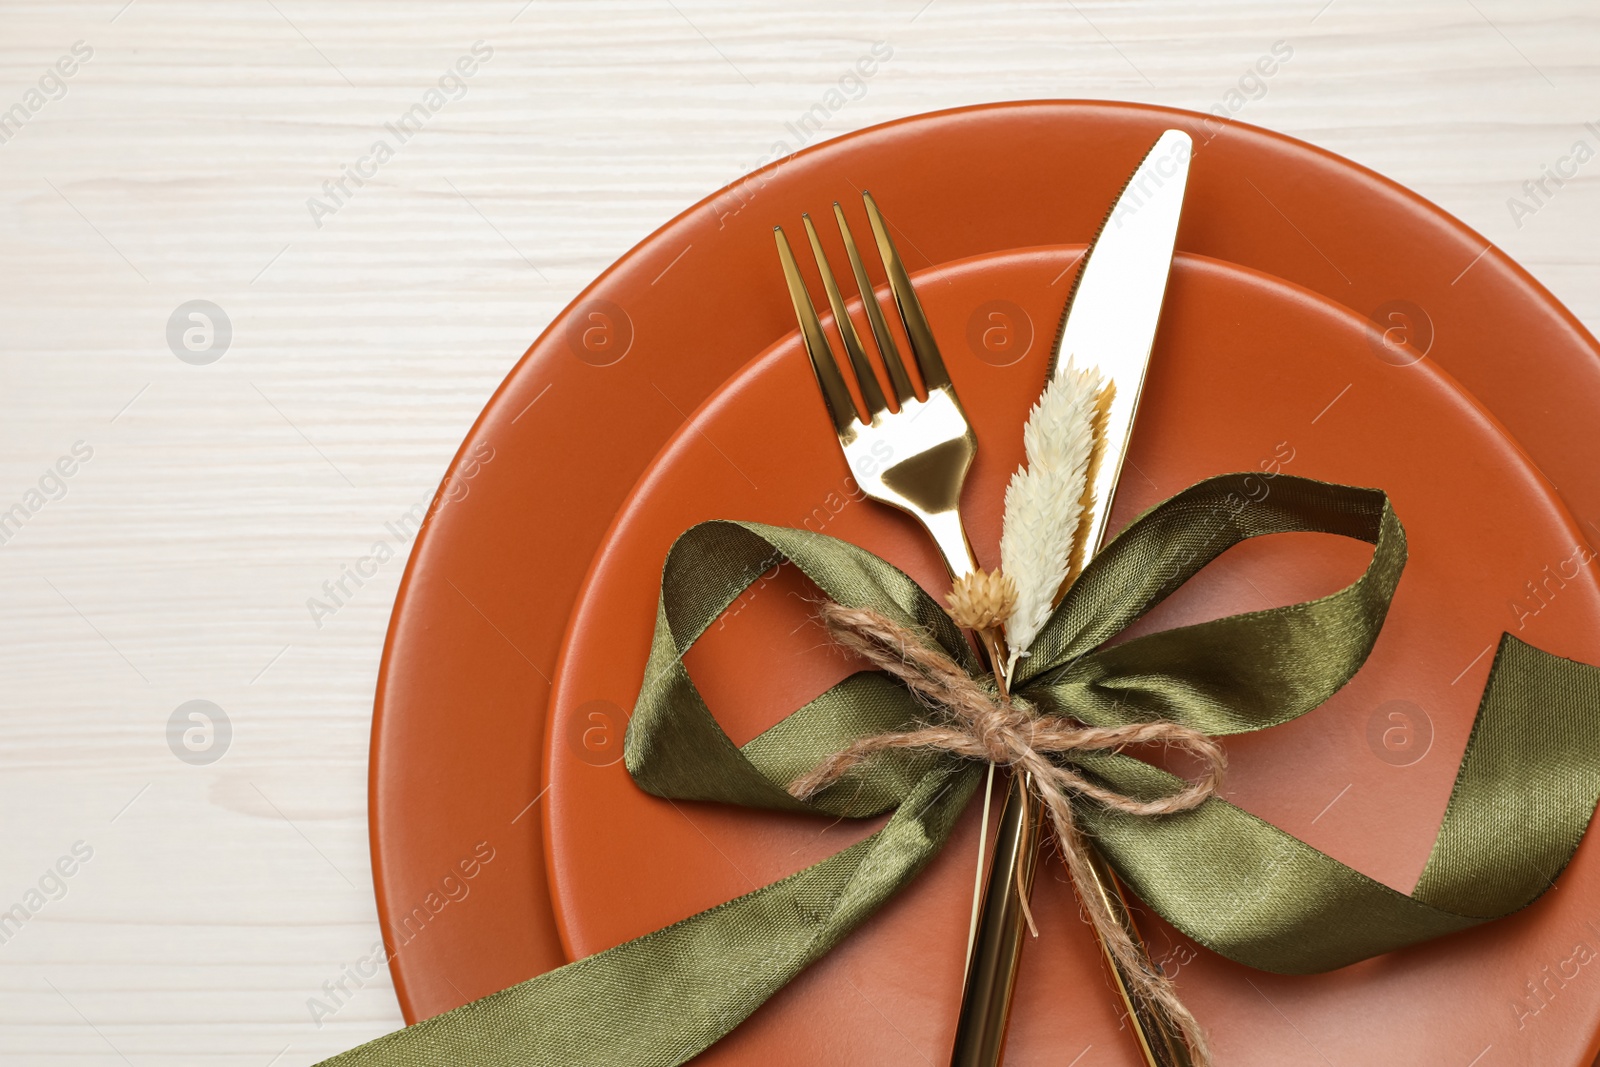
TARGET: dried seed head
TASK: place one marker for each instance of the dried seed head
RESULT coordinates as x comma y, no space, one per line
982,600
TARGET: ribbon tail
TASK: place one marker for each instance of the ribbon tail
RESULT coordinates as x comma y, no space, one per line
1524,795
1527,786
662,999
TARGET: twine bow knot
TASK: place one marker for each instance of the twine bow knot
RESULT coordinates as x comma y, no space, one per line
1008,731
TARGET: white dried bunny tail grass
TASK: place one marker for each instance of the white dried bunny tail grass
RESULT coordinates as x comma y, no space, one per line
1045,500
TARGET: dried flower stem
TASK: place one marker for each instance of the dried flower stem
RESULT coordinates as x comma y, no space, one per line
1045,501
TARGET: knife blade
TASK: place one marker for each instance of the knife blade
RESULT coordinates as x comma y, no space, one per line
1115,305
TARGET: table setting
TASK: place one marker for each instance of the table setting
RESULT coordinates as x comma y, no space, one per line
1012,589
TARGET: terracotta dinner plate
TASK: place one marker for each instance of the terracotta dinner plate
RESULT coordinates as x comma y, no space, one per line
459,719
1249,374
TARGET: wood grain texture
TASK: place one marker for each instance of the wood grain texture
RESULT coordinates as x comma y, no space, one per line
178,164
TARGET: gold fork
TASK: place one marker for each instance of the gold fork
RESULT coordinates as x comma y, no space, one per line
916,456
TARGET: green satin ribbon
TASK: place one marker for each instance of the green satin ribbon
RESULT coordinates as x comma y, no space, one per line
1523,797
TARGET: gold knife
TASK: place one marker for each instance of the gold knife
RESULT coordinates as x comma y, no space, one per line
1110,323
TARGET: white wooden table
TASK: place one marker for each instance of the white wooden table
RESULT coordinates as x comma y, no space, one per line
176,163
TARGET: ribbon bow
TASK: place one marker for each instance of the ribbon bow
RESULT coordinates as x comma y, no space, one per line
1523,797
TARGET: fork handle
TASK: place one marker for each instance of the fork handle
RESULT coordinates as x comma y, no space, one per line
997,951
997,948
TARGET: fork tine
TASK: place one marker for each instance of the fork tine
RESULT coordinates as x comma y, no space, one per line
923,348
904,391
835,394
865,376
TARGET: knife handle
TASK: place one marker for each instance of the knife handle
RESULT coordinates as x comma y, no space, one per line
1160,1038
